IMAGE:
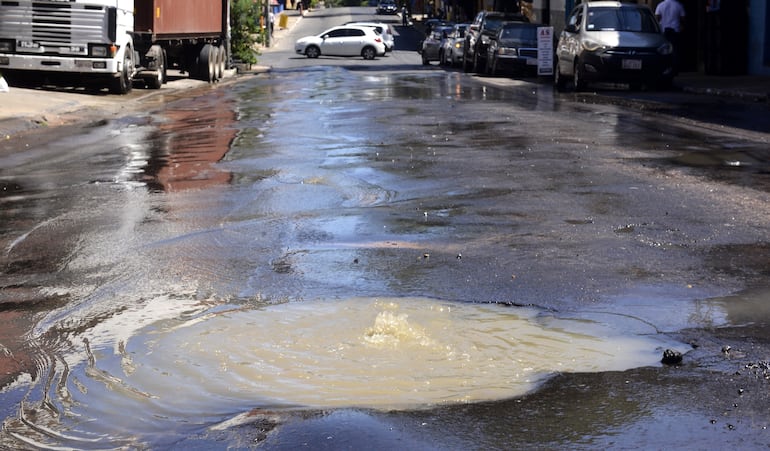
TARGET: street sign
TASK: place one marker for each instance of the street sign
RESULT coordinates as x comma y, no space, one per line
545,50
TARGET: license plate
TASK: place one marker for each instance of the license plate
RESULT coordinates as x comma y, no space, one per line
632,64
28,45
531,61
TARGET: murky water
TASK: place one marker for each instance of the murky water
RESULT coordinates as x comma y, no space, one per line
156,373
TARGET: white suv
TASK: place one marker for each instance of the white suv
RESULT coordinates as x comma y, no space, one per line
386,31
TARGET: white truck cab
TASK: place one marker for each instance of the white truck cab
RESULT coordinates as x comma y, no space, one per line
91,38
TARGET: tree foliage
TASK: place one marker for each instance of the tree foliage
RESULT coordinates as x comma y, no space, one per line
245,29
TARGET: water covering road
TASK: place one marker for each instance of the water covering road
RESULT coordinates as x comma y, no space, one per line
345,257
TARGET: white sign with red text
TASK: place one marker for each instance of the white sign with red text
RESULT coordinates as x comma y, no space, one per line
545,50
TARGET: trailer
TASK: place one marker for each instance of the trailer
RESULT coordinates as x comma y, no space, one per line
113,43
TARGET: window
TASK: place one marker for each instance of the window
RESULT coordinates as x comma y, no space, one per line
621,19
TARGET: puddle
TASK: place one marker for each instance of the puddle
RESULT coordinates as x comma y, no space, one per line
195,368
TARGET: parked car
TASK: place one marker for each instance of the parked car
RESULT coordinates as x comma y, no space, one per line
430,48
513,49
451,52
477,38
387,7
345,40
385,30
611,41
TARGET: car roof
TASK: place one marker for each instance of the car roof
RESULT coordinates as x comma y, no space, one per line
517,24
367,24
609,4
357,27
503,14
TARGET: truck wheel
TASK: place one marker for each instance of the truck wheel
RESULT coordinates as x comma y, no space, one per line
222,62
215,55
159,77
123,83
206,63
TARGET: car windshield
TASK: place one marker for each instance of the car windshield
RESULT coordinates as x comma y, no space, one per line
519,33
621,19
494,23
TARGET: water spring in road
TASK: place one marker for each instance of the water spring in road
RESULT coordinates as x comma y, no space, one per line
155,373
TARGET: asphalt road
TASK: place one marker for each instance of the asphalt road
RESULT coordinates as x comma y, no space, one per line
150,258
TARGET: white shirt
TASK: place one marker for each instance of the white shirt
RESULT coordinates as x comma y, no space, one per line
671,13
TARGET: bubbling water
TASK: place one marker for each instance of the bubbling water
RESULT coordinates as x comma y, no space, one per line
386,353
163,378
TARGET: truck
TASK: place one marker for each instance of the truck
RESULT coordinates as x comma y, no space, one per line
113,43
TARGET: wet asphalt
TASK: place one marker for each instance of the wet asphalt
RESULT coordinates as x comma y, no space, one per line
323,179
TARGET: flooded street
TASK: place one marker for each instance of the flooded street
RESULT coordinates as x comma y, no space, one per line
344,257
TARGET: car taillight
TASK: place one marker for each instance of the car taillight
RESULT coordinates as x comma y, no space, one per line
377,40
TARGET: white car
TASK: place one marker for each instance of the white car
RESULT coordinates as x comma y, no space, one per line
386,31
345,40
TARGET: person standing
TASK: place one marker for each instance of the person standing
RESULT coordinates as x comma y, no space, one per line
670,14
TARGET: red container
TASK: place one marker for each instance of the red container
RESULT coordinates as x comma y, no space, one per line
172,19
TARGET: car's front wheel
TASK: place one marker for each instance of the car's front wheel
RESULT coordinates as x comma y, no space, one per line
466,62
558,79
578,77
368,53
312,52
479,63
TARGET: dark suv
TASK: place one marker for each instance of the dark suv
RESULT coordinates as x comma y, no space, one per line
477,37
387,7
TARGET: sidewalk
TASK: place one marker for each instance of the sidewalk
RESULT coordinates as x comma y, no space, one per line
754,88
292,17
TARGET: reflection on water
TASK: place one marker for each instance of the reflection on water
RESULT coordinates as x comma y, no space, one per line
192,137
160,372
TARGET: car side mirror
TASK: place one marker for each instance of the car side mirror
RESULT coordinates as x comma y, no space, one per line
324,36
570,29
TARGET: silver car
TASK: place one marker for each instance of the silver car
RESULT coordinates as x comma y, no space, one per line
451,52
430,48
610,41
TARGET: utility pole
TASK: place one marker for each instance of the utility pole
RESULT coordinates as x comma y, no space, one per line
268,37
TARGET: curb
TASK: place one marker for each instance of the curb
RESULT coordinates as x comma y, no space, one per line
732,93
